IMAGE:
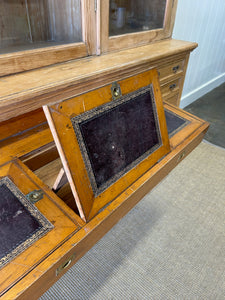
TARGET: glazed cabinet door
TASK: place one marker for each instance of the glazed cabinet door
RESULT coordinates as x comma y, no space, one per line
132,23
38,33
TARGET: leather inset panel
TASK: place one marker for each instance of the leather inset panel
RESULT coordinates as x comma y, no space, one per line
115,137
20,222
174,122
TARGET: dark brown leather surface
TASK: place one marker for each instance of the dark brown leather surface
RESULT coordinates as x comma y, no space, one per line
116,138
16,222
174,122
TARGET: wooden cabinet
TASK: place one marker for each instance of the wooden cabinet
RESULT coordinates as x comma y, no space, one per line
28,154
33,273
32,40
171,75
27,140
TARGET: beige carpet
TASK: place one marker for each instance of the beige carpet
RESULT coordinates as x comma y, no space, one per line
170,246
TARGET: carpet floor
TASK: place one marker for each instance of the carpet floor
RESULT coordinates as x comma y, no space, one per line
170,246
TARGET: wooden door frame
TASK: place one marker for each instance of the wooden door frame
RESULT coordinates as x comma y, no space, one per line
107,44
31,59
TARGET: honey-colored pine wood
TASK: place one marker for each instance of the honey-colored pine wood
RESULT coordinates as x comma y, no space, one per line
22,123
33,59
89,26
41,278
60,181
170,71
25,134
174,99
59,116
182,79
41,156
64,227
28,91
170,88
49,173
65,193
28,141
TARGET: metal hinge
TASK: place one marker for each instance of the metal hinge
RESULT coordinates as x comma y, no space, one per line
95,5
35,196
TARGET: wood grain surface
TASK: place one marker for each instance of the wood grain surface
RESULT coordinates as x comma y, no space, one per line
59,118
28,91
64,227
40,279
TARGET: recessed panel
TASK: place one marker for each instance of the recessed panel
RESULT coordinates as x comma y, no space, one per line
109,137
115,137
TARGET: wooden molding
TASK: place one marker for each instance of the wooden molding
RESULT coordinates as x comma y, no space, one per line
32,59
30,90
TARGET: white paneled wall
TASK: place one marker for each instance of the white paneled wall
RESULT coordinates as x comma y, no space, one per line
202,21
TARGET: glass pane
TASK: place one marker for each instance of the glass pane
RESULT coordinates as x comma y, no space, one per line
28,24
127,16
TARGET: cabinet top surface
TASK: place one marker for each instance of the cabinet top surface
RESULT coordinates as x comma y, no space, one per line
21,87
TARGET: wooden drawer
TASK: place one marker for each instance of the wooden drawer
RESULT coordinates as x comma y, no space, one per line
174,100
171,70
170,89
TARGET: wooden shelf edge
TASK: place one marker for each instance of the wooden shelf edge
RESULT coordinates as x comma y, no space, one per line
30,90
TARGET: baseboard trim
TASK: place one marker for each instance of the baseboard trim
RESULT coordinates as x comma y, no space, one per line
202,90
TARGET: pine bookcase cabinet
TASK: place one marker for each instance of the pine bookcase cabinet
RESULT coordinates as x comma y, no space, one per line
29,157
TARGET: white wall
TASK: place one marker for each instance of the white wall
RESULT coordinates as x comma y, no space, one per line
202,21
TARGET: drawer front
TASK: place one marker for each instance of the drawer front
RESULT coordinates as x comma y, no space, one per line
174,100
170,89
171,70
